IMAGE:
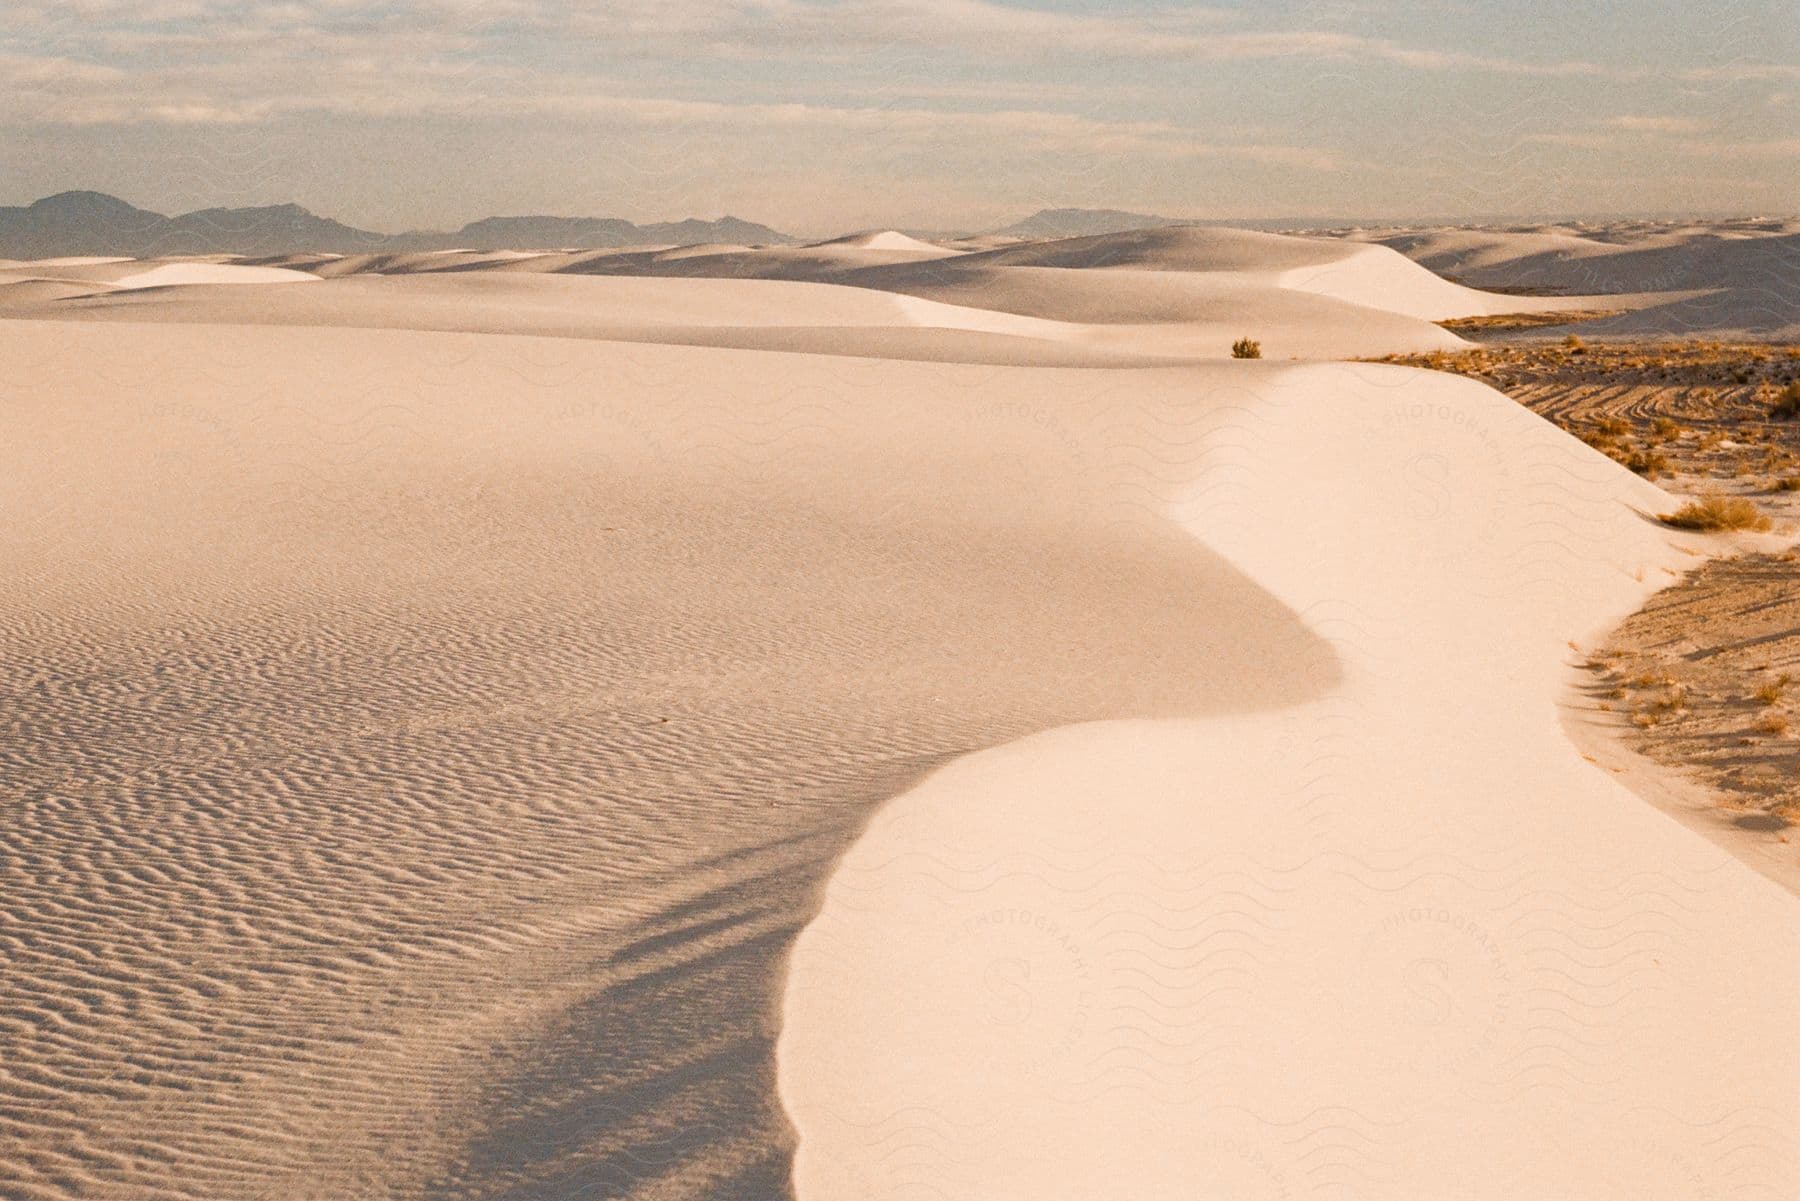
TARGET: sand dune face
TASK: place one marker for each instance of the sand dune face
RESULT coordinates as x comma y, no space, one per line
1314,950
413,783
173,274
439,697
1181,293
1015,316
1748,275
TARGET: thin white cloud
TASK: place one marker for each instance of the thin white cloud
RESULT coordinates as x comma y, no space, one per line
1777,150
1639,124
244,94
788,30
1039,93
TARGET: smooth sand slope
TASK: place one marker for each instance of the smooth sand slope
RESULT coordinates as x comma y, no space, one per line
1181,293
423,749
1729,279
1124,322
746,314
1399,942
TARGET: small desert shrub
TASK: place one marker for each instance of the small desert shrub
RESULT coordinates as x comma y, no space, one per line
1787,404
1711,513
1574,345
1773,724
1246,348
1666,427
1789,483
1615,427
1772,691
1647,463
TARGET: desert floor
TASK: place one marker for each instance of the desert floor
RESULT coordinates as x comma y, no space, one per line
1702,678
875,720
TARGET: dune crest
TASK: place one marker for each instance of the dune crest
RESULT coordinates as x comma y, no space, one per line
1248,950
444,700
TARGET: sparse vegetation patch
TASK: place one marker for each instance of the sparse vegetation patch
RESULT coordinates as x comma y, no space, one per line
1713,514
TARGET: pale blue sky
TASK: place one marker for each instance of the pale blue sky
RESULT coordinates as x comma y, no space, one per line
824,115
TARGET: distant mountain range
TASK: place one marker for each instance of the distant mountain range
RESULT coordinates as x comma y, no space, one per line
93,223
1082,223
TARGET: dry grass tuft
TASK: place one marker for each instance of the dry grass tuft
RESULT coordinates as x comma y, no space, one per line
1246,348
1787,404
1773,724
1715,513
1772,691
1648,463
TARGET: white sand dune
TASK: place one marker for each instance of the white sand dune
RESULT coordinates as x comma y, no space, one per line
1171,270
88,260
1099,319
425,746
189,274
1771,313
420,798
823,263
419,261
298,262
744,314
890,239
1369,275
1402,941
1719,281
31,293
700,250
1460,252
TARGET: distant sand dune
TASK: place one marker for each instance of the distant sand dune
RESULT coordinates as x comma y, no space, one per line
1749,277
444,704
1012,317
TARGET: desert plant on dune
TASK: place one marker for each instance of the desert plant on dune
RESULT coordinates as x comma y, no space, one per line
1714,513
1246,348
1788,484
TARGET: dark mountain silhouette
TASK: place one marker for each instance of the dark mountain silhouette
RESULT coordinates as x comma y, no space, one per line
93,223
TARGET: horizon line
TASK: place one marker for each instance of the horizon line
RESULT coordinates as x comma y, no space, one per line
1302,220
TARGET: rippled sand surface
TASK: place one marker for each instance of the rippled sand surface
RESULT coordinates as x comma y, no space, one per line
421,749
